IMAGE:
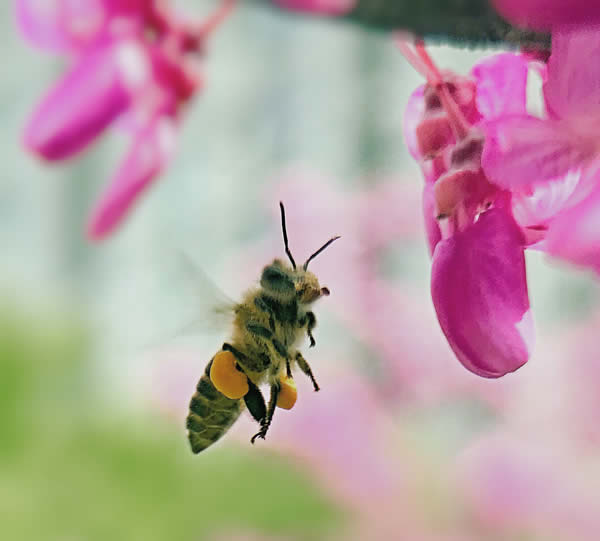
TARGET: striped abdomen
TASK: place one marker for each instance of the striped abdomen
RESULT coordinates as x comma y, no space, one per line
211,413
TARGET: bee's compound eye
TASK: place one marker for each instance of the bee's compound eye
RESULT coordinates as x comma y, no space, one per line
325,291
288,393
226,377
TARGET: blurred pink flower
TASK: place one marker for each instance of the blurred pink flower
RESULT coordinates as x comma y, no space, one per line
526,154
581,405
341,434
546,14
126,56
515,485
478,284
383,434
325,7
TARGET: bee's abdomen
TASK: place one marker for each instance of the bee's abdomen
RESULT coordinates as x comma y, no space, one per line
211,413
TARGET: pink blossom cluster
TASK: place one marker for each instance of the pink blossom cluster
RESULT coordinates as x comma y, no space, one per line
478,284
128,59
499,180
548,14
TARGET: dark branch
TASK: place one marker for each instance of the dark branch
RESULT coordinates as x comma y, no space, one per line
459,22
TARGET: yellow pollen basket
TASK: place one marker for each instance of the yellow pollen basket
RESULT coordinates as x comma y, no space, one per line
226,377
288,393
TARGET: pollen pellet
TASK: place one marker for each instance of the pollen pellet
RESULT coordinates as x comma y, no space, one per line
226,377
288,393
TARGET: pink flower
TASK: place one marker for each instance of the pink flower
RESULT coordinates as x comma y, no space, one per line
557,155
479,284
325,7
577,418
126,57
546,14
323,432
515,484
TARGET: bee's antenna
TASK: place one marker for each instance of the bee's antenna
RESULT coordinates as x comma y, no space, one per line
319,251
285,239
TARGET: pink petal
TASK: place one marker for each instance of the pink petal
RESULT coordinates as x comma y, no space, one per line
84,102
479,291
545,14
522,151
501,85
413,115
573,84
326,7
87,99
144,161
434,134
127,7
432,227
60,24
545,202
575,234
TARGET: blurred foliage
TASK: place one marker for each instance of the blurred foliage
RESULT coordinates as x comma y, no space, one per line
69,472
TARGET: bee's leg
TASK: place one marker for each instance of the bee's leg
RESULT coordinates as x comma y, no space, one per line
240,357
256,364
255,402
280,348
270,411
288,368
309,321
236,352
310,325
305,367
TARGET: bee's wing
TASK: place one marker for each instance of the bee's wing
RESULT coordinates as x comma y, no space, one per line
212,309
193,304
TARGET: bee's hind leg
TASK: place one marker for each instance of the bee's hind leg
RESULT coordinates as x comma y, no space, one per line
305,367
255,402
266,422
236,352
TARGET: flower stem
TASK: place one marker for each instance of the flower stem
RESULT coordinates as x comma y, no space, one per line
460,125
419,59
409,52
216,18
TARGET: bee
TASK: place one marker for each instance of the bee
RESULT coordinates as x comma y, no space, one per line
268,325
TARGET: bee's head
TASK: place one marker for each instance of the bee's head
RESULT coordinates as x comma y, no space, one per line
307,287
285,282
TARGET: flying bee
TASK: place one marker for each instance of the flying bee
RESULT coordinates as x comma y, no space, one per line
268,324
